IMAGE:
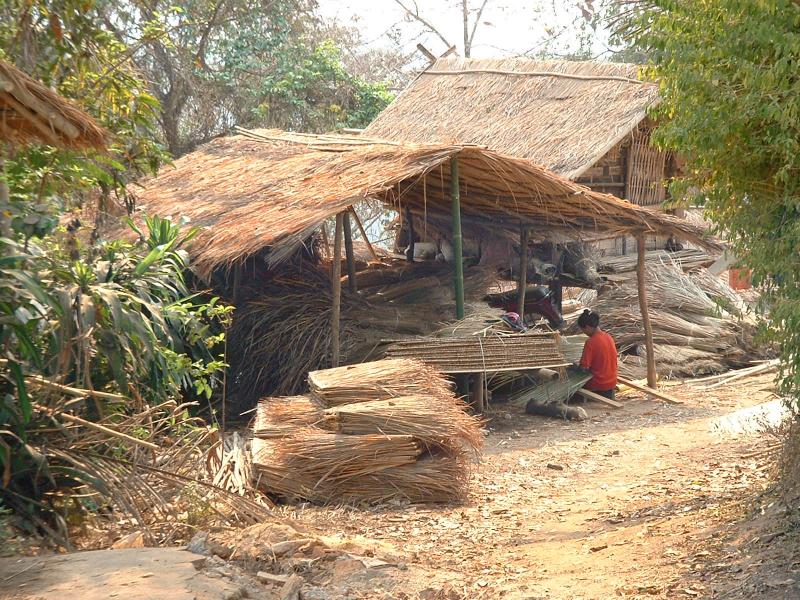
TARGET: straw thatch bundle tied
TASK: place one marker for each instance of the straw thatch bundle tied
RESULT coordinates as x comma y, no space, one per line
323,467
435,422
377,380
276,417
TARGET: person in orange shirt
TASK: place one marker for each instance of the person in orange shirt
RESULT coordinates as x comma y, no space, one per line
599,356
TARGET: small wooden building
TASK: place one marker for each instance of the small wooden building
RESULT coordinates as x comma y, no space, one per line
585,121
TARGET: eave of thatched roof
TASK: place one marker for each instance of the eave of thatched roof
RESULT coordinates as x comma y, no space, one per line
270,189
562,115
31,112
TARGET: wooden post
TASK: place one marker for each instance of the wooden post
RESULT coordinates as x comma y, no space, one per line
478,397
364,234
336,281
523,272
648,328
457,244
348,250
410,226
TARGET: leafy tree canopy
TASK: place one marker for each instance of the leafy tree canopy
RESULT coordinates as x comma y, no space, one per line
730,91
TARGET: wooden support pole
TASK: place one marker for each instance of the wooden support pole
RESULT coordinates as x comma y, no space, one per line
648,328
336,282
478,396
348,250
523,272
360,226
410,229
457,243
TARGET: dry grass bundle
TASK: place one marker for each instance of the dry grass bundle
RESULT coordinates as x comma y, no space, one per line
432,479
317,465
435,422
377,380
276,417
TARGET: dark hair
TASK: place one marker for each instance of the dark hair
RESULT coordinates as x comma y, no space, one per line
589,318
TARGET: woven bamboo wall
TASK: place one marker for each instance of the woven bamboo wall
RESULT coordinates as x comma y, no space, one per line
646,173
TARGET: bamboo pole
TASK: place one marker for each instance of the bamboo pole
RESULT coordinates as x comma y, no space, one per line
348,251
523,272
360,226
336,281
648,328
457,244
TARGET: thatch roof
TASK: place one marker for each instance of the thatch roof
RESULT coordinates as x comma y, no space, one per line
270,189
562,115
31,112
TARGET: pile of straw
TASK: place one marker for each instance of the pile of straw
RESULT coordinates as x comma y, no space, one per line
377,380
435,422
283,331
391,429
699,324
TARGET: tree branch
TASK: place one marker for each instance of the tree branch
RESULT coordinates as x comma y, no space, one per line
475,23
418,17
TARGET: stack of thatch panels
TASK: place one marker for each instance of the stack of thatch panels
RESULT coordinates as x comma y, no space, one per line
471,354
390,429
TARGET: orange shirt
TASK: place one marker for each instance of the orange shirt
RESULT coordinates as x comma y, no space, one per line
600,357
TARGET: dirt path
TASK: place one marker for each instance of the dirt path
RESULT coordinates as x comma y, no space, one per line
648,501
627,503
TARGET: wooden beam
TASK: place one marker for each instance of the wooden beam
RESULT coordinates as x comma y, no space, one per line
360,226
457,242
649,390
336,282
523,272
597,397
348,251
652,380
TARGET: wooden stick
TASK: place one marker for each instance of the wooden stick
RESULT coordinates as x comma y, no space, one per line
360,226
96,427
523,272
348,251
652,379
337,291
42,382
648,390
597,397
762,368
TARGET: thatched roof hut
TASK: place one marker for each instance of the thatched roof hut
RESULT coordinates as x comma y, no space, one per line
562,115
270,189
31,112
586,121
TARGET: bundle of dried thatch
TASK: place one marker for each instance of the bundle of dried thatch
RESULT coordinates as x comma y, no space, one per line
317,465
276,417
435,422
377,380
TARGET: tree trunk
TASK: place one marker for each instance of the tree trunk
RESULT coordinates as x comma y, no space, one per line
465,14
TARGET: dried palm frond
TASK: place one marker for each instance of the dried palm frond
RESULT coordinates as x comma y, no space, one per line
435,422
377,380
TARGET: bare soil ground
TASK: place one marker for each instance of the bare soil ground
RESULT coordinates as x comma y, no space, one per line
651,500
648,501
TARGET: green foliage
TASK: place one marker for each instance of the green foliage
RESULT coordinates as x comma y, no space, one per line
731,106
